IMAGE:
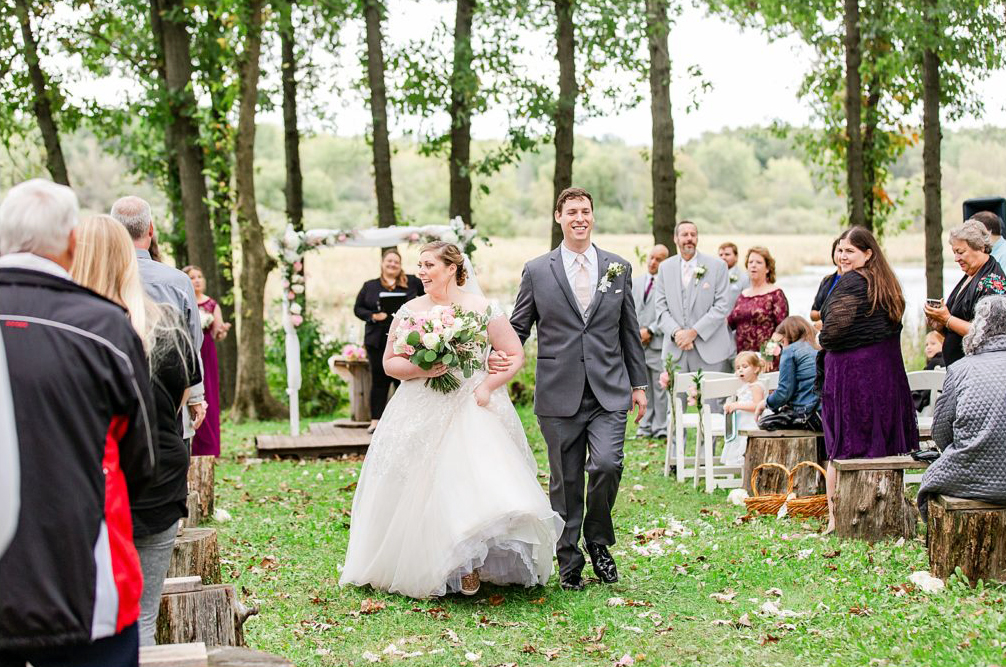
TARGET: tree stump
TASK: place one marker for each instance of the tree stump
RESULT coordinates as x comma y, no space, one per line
228,656
201,481
786,448
969,534
196,554
192,505
191,612
870,502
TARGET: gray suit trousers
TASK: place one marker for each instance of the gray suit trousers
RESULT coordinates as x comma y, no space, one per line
600,434
654,422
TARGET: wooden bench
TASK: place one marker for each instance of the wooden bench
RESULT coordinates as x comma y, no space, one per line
786,448
192,612
198,655
969,534
196,555
870,502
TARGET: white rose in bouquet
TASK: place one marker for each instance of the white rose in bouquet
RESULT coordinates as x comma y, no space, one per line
431,340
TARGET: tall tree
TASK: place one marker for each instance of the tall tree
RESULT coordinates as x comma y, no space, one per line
252,398
853,114
43,97
373,12
565,109
463,88
932,137
663,176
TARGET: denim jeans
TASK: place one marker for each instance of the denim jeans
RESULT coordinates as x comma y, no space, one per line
155,556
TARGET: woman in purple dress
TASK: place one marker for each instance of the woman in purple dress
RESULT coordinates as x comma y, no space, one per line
207,439
866,405
761,307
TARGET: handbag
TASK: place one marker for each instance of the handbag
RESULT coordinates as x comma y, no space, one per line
788,418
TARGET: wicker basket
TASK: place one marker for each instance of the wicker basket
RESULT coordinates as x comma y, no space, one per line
808,506
768,503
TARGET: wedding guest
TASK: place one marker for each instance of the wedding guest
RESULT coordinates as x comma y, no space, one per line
207,439
971,243
747,367
375,335
934,360
760,307
105,262
866,405
164,284
691,305
994,225
967,421
795,395
826,287
738,279
654,422
70,580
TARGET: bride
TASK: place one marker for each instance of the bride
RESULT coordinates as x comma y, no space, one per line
448,495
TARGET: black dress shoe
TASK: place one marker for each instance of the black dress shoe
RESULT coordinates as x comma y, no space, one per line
604,564
572,582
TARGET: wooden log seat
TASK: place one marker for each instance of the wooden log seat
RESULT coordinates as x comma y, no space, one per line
196,555
870,502
787,448
969,534
201,479
199,655
192,612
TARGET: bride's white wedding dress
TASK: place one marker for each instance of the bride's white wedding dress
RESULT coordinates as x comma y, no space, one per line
447,487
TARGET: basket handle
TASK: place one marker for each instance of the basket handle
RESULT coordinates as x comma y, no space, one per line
799,465
757,470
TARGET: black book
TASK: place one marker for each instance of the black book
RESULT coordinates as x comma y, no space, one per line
390,302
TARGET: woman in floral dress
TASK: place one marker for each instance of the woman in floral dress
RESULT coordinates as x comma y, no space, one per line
759,308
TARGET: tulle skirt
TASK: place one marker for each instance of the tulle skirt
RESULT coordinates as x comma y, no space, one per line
448,487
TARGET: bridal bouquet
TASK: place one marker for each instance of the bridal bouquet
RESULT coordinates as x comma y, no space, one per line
445,335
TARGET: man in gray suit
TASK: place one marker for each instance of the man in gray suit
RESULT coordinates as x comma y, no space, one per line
654,424
691,305
737,275
590,373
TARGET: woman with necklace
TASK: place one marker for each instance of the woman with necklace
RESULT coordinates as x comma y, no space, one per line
368,308
761,307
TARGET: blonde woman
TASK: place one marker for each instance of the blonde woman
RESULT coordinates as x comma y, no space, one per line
105,262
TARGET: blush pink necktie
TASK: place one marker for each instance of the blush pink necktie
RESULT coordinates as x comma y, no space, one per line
581,284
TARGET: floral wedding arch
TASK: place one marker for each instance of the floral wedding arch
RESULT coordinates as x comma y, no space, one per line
293,246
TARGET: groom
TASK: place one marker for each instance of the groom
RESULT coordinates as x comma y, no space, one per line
591,372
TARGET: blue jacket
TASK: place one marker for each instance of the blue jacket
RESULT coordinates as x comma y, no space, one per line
797,372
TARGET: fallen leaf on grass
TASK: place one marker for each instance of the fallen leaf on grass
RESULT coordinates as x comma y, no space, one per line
530,650
926,582
551,653
772,609
726,597
473,657
744,621
540,600
774,591
833,554
494,600
597,634
902,590
625,661
349,487
369,606
713,513
650,535
371,657
269,563
859,611
450,636
768,639
633,628
595,648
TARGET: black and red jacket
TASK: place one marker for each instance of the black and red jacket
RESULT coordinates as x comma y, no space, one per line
83,410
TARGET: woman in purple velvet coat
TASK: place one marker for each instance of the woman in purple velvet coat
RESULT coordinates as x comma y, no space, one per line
866,405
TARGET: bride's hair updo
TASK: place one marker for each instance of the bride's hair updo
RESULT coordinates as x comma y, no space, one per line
448,253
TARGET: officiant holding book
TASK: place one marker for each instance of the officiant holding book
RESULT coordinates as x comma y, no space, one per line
376,305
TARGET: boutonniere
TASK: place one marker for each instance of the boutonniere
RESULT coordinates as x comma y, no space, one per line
734,277
699,272
612,272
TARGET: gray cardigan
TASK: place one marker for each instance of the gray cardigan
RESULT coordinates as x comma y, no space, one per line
969,425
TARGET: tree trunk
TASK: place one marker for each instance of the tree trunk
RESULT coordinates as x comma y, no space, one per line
372,13
662,165
853,113
43,103
252,398
565,108
968,534
196,554
871,188
463,88
294,189
173,193
932,137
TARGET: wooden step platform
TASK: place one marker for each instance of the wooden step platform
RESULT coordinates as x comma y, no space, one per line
199,655
325,439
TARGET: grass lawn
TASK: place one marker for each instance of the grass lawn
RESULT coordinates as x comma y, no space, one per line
692,596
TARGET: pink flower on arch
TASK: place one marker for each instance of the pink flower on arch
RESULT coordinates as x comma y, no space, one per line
296,320
298,266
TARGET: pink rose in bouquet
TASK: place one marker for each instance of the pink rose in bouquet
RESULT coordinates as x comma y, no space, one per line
665,380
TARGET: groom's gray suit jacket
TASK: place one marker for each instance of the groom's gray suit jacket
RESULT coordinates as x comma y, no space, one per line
604,350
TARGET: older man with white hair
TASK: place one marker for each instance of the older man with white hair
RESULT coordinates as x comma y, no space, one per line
70,578
164,284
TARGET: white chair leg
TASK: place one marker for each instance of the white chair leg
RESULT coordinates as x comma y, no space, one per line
679,448
668,452
708,433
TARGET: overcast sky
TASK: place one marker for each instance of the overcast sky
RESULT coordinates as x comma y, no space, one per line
754,82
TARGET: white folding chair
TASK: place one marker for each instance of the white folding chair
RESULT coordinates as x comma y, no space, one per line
714,426
770,380
931,381
679,422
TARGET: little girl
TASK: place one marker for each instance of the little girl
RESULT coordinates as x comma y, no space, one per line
747,366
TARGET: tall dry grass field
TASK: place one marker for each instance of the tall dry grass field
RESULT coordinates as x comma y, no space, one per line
334,275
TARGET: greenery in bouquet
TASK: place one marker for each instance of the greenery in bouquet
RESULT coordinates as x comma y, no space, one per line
445,335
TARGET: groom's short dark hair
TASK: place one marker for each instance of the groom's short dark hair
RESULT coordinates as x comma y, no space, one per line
572,193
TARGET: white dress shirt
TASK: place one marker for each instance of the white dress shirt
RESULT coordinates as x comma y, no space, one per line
569,263
33,262
688,268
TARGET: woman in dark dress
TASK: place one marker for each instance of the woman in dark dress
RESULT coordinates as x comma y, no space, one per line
971,243
207,439
866,405
761,307
375,336
824,290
